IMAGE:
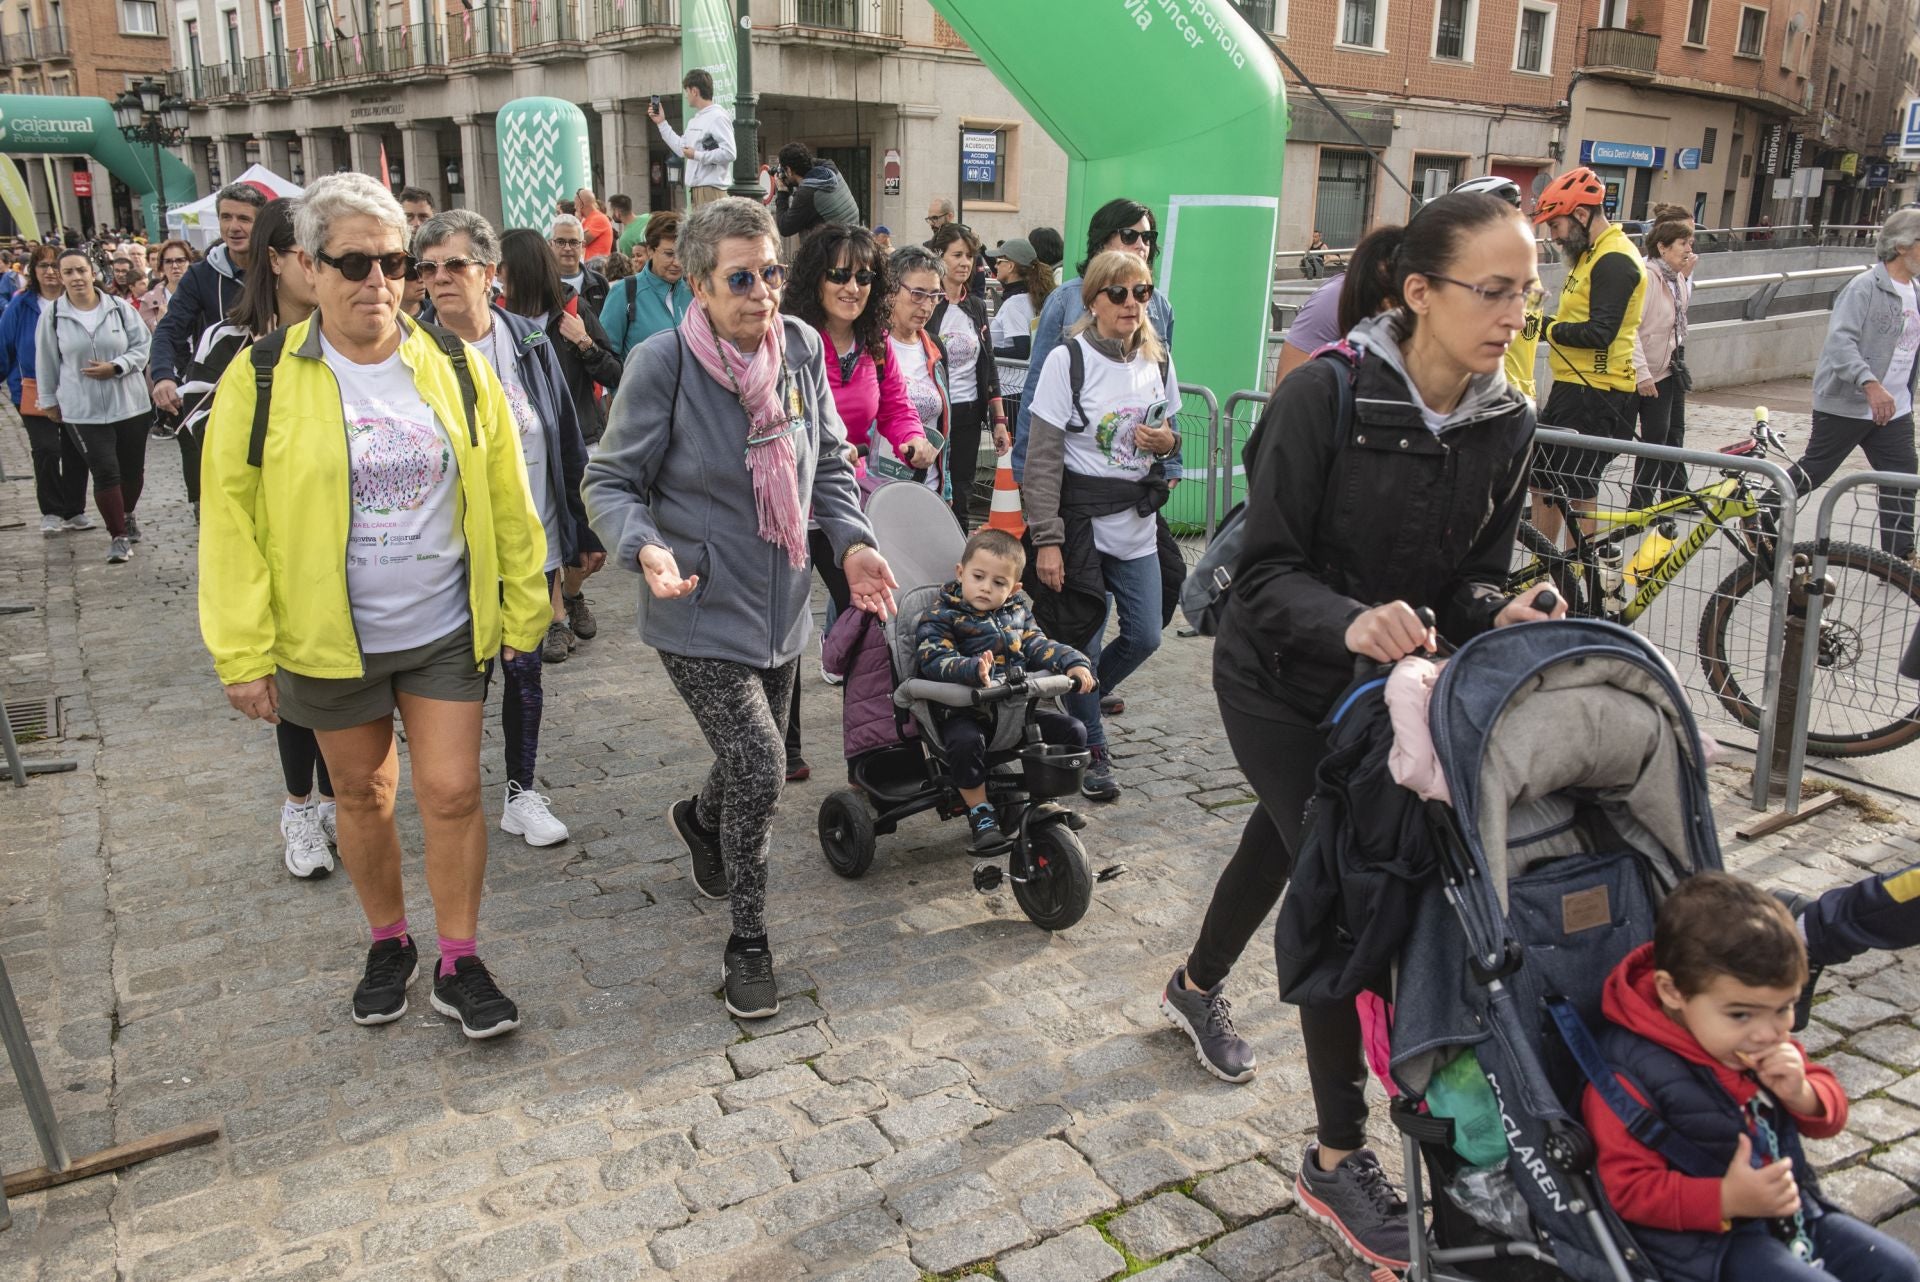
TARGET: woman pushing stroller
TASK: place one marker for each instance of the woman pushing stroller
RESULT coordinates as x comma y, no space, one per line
1385,477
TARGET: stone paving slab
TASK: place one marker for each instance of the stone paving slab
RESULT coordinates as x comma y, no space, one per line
946,1088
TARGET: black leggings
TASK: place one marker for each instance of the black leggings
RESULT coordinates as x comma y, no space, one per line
963,455
116,455
300,760
189,442
1279,758
1663,421
824,561
59,468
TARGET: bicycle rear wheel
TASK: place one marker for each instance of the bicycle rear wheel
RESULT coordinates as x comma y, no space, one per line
1860,705
1540,561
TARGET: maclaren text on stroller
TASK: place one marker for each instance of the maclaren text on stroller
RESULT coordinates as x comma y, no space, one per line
907,775
1579,799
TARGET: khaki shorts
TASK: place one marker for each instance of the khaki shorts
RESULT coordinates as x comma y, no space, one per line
442,669
699,196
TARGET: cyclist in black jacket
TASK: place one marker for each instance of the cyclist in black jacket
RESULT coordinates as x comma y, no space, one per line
1351,527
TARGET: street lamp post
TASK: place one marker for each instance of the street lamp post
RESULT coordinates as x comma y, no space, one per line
145,115
746,111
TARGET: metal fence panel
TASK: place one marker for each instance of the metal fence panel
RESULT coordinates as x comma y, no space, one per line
1714,601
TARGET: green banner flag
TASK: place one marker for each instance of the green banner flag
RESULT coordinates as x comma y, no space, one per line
707,41
13,190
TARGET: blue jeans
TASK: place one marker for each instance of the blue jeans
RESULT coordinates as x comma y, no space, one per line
1134,586
1851,1251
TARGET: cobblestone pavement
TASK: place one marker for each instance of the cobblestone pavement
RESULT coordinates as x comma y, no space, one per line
945,1085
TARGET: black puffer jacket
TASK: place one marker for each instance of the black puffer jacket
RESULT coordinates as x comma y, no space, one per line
584,369
1340,522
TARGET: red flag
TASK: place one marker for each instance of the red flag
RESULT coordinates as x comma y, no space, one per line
386,174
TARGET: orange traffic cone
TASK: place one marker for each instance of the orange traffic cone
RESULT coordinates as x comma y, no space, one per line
1005,512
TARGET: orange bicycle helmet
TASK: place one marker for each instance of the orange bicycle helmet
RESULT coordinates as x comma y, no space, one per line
1569,192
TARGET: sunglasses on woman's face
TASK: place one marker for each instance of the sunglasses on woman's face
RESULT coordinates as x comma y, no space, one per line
357,266
841,275
428,268
741,282
1117,294
1133,236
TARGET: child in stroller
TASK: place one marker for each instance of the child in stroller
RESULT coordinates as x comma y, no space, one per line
981,630
898,760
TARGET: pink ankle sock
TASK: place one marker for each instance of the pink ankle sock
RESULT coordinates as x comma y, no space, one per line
396,931
451,951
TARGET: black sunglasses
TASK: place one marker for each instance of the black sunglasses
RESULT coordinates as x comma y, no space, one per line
741,282
1133,236
1117,294
841,275
357,266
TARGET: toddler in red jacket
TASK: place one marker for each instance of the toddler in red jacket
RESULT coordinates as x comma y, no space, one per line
1719,1189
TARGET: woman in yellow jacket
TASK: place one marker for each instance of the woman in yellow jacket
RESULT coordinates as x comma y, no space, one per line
368,543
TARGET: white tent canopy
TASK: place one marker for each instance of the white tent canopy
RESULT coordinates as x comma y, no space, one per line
199,223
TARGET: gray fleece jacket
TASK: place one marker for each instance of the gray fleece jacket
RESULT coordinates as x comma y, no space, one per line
1867,319
671,471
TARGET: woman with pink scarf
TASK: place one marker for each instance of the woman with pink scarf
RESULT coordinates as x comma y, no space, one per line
723,435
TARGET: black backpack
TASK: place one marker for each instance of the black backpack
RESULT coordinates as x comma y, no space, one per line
265,354
1203,597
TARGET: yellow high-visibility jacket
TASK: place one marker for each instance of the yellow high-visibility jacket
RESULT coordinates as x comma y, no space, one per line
1596,348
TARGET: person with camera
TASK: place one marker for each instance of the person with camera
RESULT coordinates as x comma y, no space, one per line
812,193
707,144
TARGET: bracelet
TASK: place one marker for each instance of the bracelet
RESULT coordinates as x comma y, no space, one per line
851,549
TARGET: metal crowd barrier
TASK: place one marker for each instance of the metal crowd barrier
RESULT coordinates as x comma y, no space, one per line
1862,607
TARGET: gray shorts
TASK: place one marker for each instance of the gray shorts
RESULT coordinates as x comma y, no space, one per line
442,669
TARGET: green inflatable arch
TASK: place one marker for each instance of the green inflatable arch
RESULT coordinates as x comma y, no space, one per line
1176,104
44,124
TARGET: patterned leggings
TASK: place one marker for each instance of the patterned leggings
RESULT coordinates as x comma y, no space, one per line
742,711
522,700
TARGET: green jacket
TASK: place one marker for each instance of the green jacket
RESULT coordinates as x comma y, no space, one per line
656,306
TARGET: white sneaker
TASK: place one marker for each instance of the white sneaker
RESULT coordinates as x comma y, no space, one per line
80,522
831,678
51,525
307,856
528,815
329,822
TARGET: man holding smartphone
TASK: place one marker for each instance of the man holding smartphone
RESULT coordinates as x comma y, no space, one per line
707,145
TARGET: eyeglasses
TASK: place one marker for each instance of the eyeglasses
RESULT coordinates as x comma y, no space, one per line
174,262
924,296
570,242
356,266
936,220
428,268
741,282
1117,294
841,275
1530,296
1133,236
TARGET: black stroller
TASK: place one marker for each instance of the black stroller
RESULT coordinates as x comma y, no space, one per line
1580,799
1046,863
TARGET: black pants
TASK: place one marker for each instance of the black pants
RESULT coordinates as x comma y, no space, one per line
963,455
824,561
1663,421
1279,758
965,740
1888,447
300,761
116,455
189,443
59,468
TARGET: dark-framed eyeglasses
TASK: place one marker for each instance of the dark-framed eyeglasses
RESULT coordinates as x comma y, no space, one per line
1133,236
570,242
1529,296
841,275
1117,294
773,275
429,268
356,266
176,261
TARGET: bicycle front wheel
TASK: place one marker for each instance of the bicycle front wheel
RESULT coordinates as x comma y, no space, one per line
1859,704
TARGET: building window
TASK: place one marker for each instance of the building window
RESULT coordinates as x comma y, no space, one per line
1753,32
1360,23
1707,145
1613,13
1343,196
1434,177
233,38
1260,14
140,17
1795,25
1533,49
1453,30
1697,22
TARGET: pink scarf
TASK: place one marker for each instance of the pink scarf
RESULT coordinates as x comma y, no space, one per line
770,432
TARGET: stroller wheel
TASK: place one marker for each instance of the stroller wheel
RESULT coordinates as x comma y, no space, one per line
1057,886
846,833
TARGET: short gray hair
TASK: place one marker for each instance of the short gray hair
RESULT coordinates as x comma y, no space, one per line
448,223
912,258
728,218
344,196
565,222
1898,234
241,193
945,206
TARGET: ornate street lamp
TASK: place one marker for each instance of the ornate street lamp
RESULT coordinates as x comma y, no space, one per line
147,115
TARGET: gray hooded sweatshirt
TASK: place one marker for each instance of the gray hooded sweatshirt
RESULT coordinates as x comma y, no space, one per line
671,471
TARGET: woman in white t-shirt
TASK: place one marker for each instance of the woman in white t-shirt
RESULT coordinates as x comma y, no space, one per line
960,322
1095,476
1025,282
922,361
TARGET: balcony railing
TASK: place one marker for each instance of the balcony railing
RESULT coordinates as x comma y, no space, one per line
266,76
1616,49
480,33
51,42
618,19
419,48
880,18
547,27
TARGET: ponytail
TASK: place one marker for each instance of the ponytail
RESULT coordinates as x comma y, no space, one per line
1370,286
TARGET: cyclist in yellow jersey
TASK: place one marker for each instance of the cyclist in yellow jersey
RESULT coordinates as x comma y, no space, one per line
1522,351
1589,340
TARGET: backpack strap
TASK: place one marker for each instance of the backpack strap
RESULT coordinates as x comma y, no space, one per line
1076,380
1680,1152
265,354
633,299
455,348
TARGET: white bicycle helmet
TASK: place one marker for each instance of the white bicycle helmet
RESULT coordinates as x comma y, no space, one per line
1493,185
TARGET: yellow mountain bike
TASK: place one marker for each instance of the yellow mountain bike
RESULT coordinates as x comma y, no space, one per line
1860,704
